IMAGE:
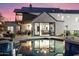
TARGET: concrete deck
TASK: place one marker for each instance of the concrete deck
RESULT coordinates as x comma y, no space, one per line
74,40
38,37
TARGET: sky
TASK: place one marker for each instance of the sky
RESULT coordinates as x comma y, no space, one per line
7,8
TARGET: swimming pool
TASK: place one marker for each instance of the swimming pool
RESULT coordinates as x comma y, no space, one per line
42,47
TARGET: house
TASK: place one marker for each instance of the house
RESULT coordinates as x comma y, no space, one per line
62,19
39,21
49,22
45,24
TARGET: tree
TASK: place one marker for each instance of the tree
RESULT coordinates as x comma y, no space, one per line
1,17
1,22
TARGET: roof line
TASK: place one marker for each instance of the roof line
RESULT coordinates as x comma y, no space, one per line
55,18
50,16
58,10
37,16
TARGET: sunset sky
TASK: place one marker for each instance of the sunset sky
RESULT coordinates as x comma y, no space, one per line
7,9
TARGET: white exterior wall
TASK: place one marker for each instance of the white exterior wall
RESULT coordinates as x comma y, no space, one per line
59,28
72,20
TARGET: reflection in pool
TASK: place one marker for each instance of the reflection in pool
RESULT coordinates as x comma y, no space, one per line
42,47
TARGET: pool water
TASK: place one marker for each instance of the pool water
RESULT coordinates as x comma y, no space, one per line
44,47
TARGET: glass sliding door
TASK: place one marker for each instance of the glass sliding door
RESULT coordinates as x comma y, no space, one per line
44,29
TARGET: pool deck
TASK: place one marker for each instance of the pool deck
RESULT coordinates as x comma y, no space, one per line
39,38
74,40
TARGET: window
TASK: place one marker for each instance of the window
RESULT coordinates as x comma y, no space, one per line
11,28
44,28
19,16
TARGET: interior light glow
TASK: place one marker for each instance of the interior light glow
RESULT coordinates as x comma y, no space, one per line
0,23
76,19
45,51
62,17
58,15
